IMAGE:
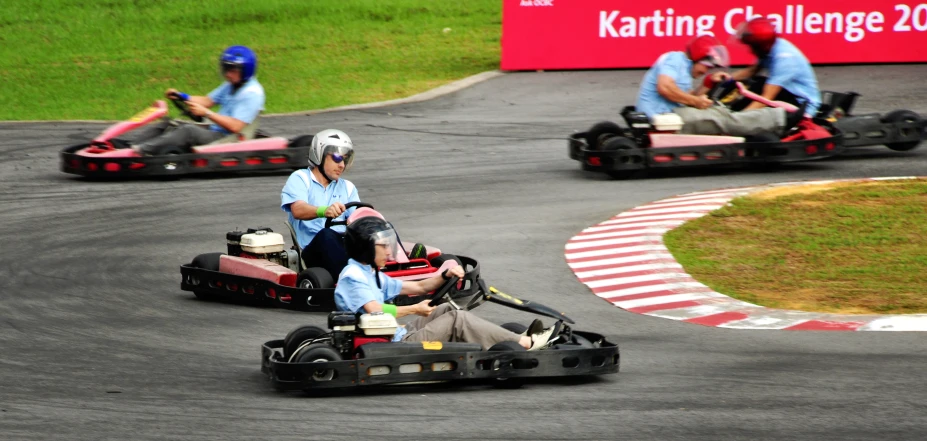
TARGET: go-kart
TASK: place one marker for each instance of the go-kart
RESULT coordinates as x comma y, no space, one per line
258,269
899,130
630,152
108,156
357,350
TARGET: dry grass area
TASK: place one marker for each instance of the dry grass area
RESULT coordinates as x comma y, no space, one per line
852,248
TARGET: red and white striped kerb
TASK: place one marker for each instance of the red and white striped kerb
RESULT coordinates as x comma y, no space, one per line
623,260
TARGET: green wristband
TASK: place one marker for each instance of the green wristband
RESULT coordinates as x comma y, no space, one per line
390,309
320,212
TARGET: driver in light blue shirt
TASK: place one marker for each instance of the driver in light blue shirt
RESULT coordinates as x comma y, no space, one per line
791,78
311,196
241,98
362,288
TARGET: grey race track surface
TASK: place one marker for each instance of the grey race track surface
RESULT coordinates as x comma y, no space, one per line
97,341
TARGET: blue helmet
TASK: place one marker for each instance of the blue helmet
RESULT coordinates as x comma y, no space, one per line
239,57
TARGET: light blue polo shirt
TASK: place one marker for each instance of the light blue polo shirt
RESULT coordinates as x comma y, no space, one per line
303,186
678,67
357,286
244,105
789,69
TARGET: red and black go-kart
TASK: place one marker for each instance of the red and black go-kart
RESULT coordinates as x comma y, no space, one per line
629,152
108,156
357,351
258,269
900,130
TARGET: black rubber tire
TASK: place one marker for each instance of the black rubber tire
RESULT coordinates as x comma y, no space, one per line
314,278
301,141
517,328
623,143
508,383
208,261
440,259
319,352
295,338
897,116
601,132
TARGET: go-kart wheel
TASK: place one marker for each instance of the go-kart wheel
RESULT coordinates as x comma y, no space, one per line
301,141
295,338
898,116
517,328
208,261
616,143
329,222
600,133
314,278
318,352
503,382
440,259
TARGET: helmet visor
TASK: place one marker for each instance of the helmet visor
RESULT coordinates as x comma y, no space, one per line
339,154
717,58
388,240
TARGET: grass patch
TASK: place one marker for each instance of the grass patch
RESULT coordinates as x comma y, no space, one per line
107,59
854,248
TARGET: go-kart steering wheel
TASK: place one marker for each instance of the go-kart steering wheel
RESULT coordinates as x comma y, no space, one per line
181,105
329,222
442,290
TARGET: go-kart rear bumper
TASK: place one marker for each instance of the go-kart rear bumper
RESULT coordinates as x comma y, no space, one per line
643,158
241,289
869,129
179,165
481,365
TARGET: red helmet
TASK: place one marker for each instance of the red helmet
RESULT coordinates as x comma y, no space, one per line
759,34
709,51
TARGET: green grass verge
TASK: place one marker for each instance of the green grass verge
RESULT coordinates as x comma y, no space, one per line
107,59
859,248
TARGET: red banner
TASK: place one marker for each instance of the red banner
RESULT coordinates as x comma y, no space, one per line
594,34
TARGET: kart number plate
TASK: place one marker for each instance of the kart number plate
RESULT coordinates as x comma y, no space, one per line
144,114
432,345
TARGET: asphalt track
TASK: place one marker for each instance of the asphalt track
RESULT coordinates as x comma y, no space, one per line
98,342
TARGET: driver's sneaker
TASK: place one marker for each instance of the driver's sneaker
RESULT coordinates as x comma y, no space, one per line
536,326
418,252
541,339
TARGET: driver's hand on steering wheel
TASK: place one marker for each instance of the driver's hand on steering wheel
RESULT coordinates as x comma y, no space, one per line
423,309
702,102
720,77
197,109
455,271
334,210
171,93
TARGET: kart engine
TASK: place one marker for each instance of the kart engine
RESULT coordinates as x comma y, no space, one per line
262,243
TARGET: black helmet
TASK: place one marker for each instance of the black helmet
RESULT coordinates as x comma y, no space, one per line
364,234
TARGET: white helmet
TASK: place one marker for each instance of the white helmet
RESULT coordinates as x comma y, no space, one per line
331,141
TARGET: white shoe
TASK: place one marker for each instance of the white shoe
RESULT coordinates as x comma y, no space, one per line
541,339
535,327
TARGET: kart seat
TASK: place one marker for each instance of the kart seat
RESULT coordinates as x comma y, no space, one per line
302,265
248,133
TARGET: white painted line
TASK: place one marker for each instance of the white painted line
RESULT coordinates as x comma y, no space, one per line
613,251
650,301
656,267
684,209
645,231
664,217
619,241
622,260
912,322
653,288
713,201
667,277
664,224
